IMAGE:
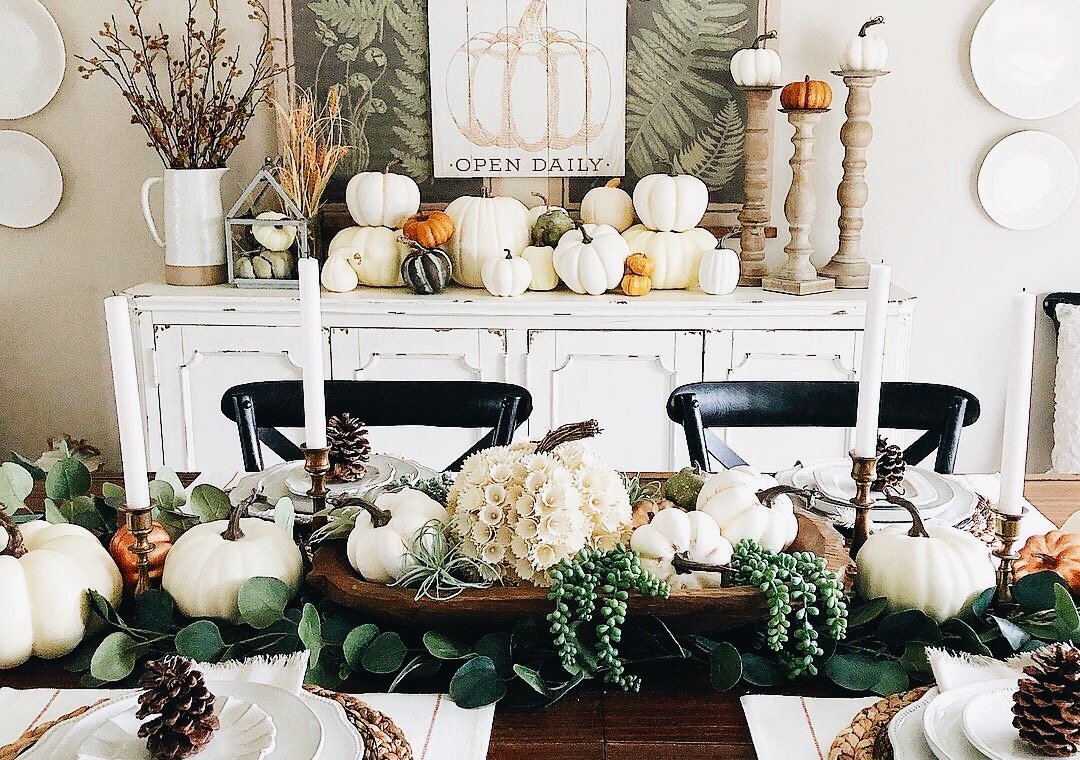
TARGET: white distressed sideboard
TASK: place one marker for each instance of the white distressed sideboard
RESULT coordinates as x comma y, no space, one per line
610,357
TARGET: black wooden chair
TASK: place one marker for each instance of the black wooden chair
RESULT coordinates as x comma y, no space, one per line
941,411
1051,301
258,409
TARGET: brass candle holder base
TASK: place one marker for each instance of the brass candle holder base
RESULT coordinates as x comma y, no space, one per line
1006,530
863,472
140,522
317,465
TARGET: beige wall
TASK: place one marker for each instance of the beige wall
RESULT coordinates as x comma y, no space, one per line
932,130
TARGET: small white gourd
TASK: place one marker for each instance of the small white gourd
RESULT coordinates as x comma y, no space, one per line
384,533
591,260
718,274
670,202
542,260
864,52
610,205
507,277
281,263
674,538
338,274
757,65
274,237
262,267
382,199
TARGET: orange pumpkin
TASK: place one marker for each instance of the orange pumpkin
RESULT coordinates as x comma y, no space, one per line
428,228
1058,551
119,550
809,94
639,263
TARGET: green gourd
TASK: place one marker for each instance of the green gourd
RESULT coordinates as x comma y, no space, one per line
551,223
683,487
426,271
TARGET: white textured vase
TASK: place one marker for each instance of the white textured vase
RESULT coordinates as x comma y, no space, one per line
194,239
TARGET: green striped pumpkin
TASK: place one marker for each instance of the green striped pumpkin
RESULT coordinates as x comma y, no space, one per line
426,271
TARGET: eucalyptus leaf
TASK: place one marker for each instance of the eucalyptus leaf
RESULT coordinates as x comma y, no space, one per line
981,605
336,628
761,671
476,683
101,607
35,472
52,512
1035,592
309,629
908,625
533,678
892,678
67,479
443,647
318,675
15,485
285,515
1013,634
496,647
166,475
855,671
201,641
1067,617
965,636
725,666
385,654
114,659
154,610
262,600
867,612
914,658
113,494
209,503
526,634
357,641
163,494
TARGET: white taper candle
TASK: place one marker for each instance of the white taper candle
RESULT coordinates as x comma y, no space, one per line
873,354
1017,404
129,413
311,342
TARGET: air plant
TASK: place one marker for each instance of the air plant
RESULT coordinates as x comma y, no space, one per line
441,570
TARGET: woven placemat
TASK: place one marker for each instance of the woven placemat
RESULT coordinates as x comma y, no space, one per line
30,738
866,737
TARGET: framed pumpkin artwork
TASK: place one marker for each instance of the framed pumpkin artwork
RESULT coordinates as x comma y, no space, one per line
463,94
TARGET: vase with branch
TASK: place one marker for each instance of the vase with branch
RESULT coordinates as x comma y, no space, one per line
194,95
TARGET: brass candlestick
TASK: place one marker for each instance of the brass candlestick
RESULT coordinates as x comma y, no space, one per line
863,472
1006,530
140,522
317,465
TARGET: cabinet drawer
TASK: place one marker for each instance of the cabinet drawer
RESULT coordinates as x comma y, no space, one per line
792,355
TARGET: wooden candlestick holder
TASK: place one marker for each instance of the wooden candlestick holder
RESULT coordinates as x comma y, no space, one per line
755,213
140,522
848,267
798,276
1006,530
317,465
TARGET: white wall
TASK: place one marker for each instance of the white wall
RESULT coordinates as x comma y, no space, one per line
932,130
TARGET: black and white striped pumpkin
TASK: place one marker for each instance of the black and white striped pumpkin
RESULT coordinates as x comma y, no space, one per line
426,270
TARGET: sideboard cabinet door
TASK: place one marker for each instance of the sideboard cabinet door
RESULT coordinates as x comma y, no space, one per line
196,365
620,378
417,354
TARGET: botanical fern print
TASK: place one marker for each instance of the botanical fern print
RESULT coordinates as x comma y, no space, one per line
716,153
411,89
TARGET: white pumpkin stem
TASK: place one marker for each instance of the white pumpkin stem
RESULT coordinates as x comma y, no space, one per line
15,546
584,235
234,532
761,38
531,25
872,22
379,516
730,234
918,527
683,565
613,183
769,495
509,256
390,165
573,431
544,199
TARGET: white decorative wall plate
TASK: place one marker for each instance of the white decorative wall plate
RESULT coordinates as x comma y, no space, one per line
1025,56
31,58
30,181
1027,180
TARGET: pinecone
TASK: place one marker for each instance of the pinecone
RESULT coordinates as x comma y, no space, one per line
349,447
184,707
1047,705
890,466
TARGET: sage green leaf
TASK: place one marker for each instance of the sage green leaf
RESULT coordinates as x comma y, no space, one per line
154,610
716,153
201,641
1035,592
209,503
867,612
318,675
163,494
385,654
965,636
262,600
175,523
496,647
114,659
357,641
309,629
892,678
336,628
284,515
101,607
857,672
113,494
914,658
67,479
526,634
15,485
53,514
476,684
533,678
83,511
725,666
444,648
761,671
165,475
1067,619
35,472
981,605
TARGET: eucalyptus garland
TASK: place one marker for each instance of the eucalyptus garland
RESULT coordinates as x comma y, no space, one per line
590,594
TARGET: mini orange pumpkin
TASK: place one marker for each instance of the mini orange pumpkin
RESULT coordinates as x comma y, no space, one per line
119,550
809,94
639,263
1058,551
637,280
428,228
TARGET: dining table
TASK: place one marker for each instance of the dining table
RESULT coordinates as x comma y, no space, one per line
677,715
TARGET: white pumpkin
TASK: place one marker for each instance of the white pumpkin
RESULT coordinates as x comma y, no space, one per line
756,66
384,533
43,586
382,199
1072,525
276,237
677,255
483,229
541,259
864,52
609,205
338,274
731,498
509,276
692,536
375,254
671,203
937,570
718,274
209,563
591,261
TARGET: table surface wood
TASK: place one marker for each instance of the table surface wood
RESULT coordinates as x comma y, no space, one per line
677,716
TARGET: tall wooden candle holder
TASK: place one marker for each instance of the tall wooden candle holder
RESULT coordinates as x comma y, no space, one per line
798,276
754,216
849,268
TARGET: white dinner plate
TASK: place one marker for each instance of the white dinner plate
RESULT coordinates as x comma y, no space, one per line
906,730
1024,56
943,720
1027,180
31,58
988,726
30,181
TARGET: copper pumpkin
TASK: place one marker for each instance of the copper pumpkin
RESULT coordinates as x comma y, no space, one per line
428,228
809,94
120,550
1058,551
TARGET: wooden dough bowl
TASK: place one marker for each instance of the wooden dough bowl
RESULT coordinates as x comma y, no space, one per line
685,611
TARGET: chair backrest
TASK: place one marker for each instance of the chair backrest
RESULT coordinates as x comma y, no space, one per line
941,411
1051,301
259,409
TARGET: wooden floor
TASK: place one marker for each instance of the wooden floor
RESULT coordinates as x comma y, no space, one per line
678,716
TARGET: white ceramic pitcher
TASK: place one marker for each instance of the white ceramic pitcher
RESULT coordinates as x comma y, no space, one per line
194,239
